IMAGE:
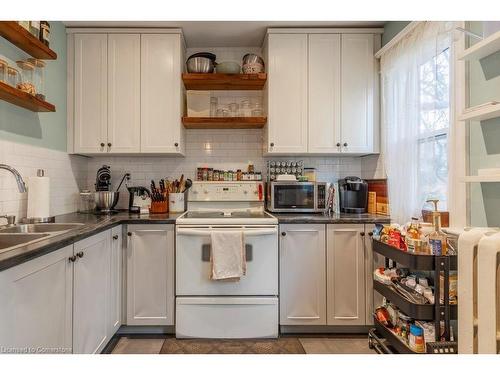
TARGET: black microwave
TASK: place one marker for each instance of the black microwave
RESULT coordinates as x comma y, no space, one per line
292,196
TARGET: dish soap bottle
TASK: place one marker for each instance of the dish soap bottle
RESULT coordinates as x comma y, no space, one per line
437,238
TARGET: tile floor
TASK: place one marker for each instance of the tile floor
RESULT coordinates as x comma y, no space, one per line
320,345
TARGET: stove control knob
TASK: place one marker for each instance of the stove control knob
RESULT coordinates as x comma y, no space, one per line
205,191
195,191
245,191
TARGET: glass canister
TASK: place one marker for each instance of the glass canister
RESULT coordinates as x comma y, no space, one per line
26,82
3,70
13,76
87,203
38,77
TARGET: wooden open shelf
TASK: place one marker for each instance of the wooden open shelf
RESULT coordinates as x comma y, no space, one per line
224,122
23,99
218,81
21,38
483,48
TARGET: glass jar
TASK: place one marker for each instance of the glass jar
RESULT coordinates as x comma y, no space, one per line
245,108
13,76
3,70
213,106
38,77
45,32
87,203
26,81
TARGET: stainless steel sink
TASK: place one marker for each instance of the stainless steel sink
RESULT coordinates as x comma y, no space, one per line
40,228
11,241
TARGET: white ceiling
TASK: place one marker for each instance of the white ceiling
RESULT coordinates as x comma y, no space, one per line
224,33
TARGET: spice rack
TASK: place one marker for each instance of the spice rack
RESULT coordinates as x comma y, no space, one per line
438,312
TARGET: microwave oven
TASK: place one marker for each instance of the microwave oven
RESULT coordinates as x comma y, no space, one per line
292,196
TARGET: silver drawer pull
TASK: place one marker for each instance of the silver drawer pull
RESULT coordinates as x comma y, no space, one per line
206,249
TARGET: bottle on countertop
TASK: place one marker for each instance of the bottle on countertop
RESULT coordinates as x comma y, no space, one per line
437,238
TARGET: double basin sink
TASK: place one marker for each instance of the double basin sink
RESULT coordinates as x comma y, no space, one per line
15,236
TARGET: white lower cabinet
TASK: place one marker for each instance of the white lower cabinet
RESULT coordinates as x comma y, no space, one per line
91,301
150,274
115,295
36,305
346,275
302,274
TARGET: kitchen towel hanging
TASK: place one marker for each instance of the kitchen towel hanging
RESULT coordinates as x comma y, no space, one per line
39,196
227,258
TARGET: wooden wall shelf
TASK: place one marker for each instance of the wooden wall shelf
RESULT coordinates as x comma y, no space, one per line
23,99
217,81
21,38
224,122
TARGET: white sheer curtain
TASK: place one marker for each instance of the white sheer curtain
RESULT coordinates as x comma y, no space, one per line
416,117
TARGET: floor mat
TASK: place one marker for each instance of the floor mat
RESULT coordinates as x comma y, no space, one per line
197,346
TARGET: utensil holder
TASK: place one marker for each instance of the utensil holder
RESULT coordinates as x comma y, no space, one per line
177,202
159,207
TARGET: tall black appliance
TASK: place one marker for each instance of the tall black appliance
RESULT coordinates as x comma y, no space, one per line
353,195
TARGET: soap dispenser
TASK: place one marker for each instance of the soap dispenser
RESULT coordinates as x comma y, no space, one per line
437,238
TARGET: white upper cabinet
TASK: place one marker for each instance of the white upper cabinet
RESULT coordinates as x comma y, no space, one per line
90,93
324,93
125,94
287,94
124,100
161,94
358,92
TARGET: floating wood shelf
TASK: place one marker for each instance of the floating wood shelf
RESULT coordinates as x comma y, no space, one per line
484,48
482,112
21,38
486,178
23,99
224,122
218,81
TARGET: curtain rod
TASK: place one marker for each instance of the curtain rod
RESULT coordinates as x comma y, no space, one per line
399,36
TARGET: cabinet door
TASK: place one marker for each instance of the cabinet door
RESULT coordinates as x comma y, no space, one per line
115,290
91,294
358,81
287,91
161,128
150,274
36,304
324,93
90,93
345,275
302,274
124,101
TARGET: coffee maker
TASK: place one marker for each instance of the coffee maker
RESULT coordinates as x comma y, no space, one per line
353,195
139,199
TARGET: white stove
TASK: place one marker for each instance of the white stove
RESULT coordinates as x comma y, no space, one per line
207,308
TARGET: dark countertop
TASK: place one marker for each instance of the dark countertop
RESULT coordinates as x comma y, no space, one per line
321,218
93,224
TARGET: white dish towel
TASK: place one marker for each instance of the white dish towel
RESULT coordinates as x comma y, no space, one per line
228,258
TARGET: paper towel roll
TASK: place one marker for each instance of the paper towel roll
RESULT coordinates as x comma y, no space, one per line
38,197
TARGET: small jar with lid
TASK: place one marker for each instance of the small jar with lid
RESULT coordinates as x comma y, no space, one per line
35,29
239,175
38,77
45,32
3,71
26,81
13,76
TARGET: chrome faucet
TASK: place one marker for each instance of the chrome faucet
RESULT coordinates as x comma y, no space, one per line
20,183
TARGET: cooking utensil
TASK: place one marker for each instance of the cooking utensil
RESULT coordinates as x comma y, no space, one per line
200,65
106,200
228,67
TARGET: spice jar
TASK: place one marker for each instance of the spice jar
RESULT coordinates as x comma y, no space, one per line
3,70
35,28
239,175
38,77
416,339
26,82
13,76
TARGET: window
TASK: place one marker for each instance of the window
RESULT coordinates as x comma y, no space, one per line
434,122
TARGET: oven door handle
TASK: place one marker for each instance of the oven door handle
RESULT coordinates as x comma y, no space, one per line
197,232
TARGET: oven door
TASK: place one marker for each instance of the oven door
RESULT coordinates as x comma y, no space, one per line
293,197
193,265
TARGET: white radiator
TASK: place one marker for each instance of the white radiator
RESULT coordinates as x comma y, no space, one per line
478,291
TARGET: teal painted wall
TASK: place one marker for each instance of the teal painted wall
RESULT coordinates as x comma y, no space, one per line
46,130
391,28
